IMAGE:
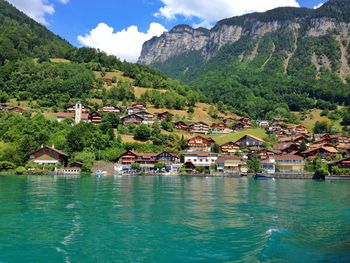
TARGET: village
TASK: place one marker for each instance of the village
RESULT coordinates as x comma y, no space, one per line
291,151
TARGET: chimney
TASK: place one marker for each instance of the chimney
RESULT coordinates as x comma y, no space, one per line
53,146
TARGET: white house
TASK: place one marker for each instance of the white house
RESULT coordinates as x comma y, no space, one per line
268,165
200,159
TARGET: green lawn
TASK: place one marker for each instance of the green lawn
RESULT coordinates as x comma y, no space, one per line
223,138
315,116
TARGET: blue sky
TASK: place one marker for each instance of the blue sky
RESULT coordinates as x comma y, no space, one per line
101,23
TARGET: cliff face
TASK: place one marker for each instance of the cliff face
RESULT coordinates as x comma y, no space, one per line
331,18
179,40
183,38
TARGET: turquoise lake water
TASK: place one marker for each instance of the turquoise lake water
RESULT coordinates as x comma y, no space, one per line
173,219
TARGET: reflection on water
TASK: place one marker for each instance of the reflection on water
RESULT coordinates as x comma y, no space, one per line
173,219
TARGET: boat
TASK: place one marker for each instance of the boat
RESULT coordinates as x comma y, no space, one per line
99,172
261,176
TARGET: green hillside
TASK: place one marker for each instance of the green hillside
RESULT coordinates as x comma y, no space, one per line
21,36
34,68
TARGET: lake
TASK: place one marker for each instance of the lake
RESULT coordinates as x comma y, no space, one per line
173,219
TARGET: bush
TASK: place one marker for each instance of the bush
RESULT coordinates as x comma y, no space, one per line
200,169
5,165
159,166
320,174
142,132
136,166
21,170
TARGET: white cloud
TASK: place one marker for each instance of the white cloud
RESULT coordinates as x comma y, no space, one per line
125,44
210,11
318,6
36,9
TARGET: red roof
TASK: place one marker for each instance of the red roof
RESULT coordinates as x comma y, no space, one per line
53,149
67,115
251,136
329,149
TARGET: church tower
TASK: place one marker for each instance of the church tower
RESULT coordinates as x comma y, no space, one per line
78,112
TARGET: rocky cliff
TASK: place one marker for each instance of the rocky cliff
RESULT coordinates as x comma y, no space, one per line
329,19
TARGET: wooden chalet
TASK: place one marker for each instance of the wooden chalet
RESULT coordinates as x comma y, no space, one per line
167,158
345,148
323,152
340,139
243,123
189,167
95,118
220,128
200,143
343,163
199,127
164,115
136,108
297,129
286,148
130,157
319,145
298,138
265,154
148,118
331,139
60,116
49,155
180,125
321,137
249,140
132,119
229,148
238,126
109,108
276,127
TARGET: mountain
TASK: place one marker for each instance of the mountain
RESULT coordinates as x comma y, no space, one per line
292,56
21,36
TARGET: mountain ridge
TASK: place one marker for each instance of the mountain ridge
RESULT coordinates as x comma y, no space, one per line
230,30
287,57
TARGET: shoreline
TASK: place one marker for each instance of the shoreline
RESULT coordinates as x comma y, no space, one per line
249,176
